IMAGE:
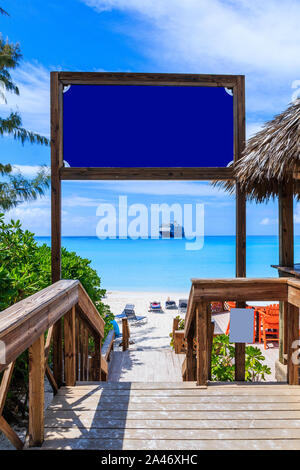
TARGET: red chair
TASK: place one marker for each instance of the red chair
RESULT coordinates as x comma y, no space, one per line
269,324
233,305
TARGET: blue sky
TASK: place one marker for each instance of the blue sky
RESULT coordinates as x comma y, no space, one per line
258,39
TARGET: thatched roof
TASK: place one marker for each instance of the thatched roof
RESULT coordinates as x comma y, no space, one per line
270,156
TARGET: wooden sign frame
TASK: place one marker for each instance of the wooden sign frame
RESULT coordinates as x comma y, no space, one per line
59,172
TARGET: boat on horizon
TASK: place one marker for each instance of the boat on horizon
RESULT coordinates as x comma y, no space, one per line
171,230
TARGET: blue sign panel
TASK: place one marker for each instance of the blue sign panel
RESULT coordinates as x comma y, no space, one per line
147,126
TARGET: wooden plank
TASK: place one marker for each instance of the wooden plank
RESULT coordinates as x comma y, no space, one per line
293,344
5,382
10,434
165,399
286,224
56,163
51,379
88,421
93,404
241,289
179,434
57,353
108,345
132,78
98,360
240,350
173,444
125,338
70,347
36,392
202,343
89,312
194,392
139,444
190,372
55,417
105,173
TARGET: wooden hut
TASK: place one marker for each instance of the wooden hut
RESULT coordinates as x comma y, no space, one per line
269,168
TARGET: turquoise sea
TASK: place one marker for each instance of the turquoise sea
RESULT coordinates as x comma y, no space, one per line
165,264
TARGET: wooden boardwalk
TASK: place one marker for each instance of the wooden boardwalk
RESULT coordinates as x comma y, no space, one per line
127,415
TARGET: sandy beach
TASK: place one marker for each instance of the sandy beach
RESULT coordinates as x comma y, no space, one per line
153,333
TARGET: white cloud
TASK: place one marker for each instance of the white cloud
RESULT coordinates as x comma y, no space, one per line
297,214
27,170
163,188
268,221
80,201
251,37
33,103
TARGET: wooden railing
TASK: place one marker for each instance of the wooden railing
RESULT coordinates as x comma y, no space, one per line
198,320
125,334
66,308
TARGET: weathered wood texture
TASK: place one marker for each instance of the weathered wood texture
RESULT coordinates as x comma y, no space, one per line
24,322
70,347
174,416
293,344
125,334
36,392
204,174
235,289
129,78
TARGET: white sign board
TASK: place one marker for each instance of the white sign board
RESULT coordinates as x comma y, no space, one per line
241,325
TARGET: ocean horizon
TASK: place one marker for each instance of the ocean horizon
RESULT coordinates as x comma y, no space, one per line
165,265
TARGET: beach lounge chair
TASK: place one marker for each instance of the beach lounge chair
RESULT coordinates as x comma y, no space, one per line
155,307
170,304
129,313
182,306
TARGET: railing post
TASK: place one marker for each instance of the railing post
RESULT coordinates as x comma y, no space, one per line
125,334
190,356
70,347
240,355
202,342
36,392
97,359
57,353
210,346
293,335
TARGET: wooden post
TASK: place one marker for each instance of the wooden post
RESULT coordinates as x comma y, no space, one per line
239,145
202,343
70,348
36,392
97,358
210,346
190,357
56,164
286,250
125,334
293,335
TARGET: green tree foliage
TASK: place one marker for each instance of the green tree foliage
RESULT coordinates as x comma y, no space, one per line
25,268
15,188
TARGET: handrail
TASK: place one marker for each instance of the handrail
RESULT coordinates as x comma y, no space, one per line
23,326
239,289
198,317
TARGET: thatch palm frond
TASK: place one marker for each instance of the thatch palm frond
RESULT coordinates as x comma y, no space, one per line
271,156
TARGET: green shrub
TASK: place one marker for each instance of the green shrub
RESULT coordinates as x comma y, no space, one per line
25,268
222,360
